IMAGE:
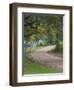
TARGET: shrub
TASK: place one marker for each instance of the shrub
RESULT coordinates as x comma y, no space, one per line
59,47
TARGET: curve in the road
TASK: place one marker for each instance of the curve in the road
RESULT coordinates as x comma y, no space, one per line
43,57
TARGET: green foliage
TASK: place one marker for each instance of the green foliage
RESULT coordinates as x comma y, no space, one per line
36,68
59,47
38,27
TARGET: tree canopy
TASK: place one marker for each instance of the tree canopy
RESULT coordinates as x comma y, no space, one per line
46,27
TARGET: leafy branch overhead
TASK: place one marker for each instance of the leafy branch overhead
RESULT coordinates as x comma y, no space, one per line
46,27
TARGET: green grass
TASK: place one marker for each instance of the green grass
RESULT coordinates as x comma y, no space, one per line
33,49
31,67
59,47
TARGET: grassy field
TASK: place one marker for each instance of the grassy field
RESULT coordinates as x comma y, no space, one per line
36,68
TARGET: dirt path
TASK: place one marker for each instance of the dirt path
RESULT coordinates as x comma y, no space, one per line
43,57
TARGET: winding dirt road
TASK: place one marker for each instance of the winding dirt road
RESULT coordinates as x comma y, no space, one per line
43,57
